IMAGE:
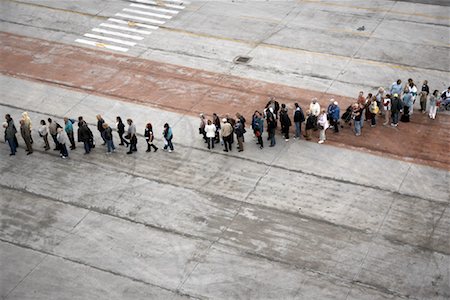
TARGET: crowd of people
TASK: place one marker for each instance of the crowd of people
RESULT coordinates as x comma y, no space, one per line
392,105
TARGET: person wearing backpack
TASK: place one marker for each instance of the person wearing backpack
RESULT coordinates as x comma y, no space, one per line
149,136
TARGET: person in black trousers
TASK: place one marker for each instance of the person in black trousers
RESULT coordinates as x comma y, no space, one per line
121,130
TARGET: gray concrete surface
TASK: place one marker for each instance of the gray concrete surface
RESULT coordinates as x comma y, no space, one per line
399,40
283,223
298,221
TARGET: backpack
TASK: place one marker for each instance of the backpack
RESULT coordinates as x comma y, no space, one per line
374,108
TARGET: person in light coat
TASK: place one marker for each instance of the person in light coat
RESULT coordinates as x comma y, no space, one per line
43,132
63,140
323,126
210,132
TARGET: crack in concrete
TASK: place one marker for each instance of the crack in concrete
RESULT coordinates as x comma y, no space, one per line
48,253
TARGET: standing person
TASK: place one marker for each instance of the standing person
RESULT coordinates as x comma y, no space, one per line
239,131
412,89
210,130
27,122
323,126
357,115
10,134
108,138
226,131
309,125
121,130
63,140
367,114
396,107
85,135
131,135
100,128
232,123
407,105
259,128
299,118
26,135
373,110
314,108
423,96
168,136
68,128
433,104
380,96
387,109
396,88
285,122
271,125
216,122
201,128
149,136
43,132
52,128
334,116
243,120
275,108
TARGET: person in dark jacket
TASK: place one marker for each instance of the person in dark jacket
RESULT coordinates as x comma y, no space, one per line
310,125
10,134
26,135
149,136
216,122
299,118
271,125
258,128
85,136
285,122
396,107
121,130
100,128
335,113
168,136
107,132
239,131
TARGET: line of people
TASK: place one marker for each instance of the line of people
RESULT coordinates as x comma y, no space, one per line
62,136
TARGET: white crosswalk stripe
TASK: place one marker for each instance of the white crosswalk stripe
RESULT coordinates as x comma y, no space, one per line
105,38
132,24
125,28
101,45
160,3
150,7
140,18
124,35
147,13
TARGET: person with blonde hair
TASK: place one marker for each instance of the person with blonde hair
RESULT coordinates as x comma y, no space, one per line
26,135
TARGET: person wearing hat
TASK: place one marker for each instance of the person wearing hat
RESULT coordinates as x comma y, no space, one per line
226,131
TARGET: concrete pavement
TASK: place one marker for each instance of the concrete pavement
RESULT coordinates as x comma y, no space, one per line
297,221
208,225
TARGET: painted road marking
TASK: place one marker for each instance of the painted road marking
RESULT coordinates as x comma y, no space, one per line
170,11
133,24
101,45
125,28
160,3
147,13
130,21
105,38
140,18
124,35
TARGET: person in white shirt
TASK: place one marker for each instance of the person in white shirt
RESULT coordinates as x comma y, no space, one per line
43,132
210,132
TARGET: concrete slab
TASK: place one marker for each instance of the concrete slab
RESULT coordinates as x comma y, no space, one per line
16,263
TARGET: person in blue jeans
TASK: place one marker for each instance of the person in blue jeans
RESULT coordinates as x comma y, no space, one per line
107,133
167,133
357,117
299,118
